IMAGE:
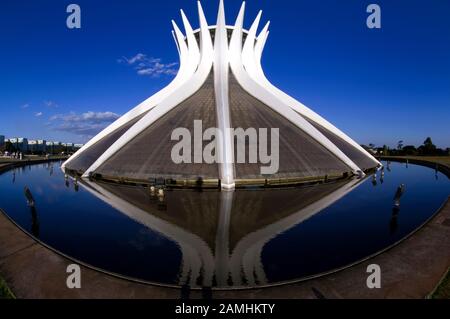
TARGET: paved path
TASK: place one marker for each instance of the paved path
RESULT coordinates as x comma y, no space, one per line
411,269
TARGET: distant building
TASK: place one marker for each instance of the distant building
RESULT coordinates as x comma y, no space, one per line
20,144
54,147
37,146
68,147
58,147
78,146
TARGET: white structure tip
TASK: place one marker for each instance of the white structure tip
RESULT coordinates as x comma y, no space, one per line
255,24
240,17
264,30
177,29
221,14
183,16
201,14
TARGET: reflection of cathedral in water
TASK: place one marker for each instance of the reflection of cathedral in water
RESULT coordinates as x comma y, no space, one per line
221,235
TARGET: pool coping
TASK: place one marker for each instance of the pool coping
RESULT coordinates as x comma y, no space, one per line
443,168
235,291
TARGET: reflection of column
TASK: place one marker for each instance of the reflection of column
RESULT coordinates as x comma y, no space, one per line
253,267
34,222
393,224
246,256
184,269
243,265
222,253
197,257
191,264
259,268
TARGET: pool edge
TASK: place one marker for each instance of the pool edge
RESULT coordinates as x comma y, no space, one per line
335,272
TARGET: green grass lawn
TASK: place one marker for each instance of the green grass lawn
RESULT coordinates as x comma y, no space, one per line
443,291
5,292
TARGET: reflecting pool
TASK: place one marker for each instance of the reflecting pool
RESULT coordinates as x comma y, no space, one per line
210,238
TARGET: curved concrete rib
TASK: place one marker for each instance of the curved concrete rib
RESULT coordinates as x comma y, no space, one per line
176,42
173,100
261,42
248,50
194,50
221,69
276,104
185,72
251,58
245,63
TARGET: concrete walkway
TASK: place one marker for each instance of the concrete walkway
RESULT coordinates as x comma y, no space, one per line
411,269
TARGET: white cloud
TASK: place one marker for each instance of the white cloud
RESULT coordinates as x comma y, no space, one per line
84,124
136,58
97,117
50,104
154,67
38,114
25,106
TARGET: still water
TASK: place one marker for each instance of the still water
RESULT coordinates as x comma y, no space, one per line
244,238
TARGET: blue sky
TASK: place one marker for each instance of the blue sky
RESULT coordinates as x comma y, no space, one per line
379,86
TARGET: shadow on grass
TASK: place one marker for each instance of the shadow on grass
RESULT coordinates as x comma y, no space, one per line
443,291
5,292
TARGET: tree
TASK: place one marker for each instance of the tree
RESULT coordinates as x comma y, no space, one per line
428,142
428,148
400,145
409,150
10,147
